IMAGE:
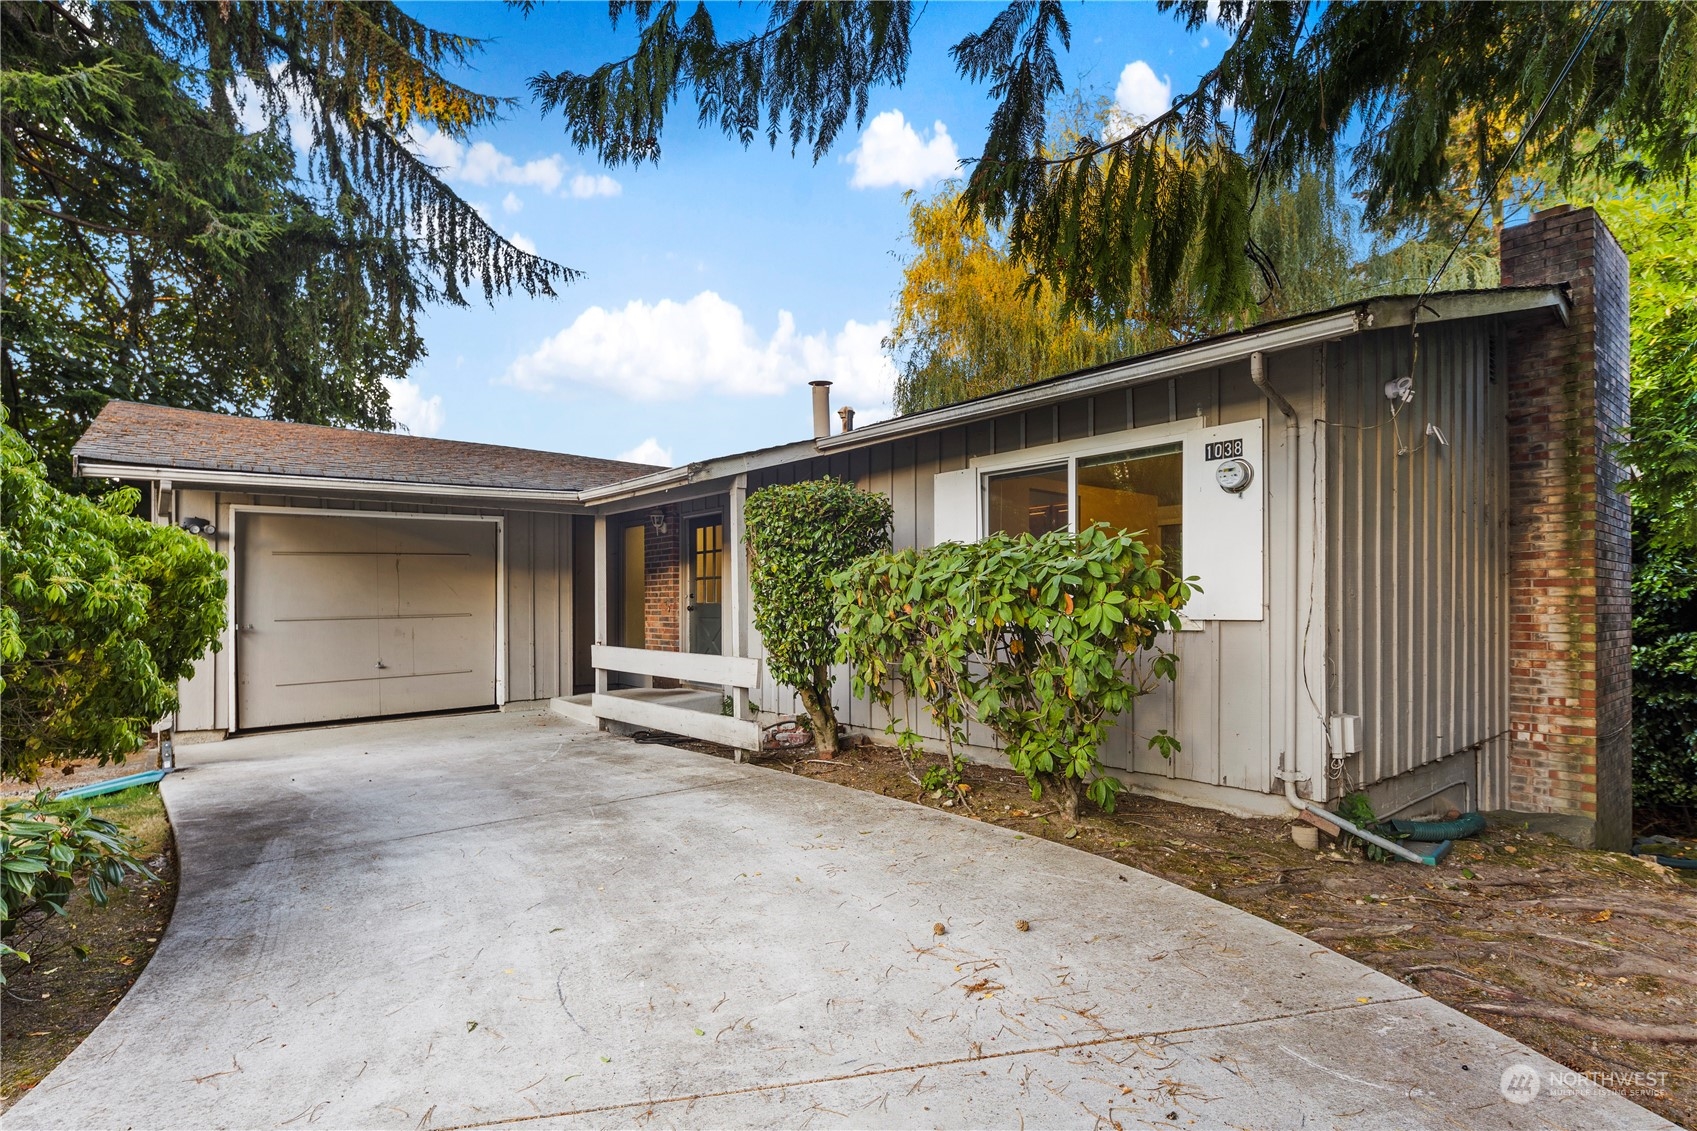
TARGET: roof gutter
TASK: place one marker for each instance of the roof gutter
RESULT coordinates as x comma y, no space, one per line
93,469
658,481
1370,314
1136,371
625,488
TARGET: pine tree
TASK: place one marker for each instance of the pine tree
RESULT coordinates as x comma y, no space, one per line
165,242
1134,217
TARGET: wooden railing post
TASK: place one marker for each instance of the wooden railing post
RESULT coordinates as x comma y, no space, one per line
602,613
736,639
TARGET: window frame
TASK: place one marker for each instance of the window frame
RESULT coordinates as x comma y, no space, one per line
1069,452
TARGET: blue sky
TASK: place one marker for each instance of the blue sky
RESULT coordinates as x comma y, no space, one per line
718,282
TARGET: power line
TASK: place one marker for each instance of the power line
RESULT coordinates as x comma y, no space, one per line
1603,7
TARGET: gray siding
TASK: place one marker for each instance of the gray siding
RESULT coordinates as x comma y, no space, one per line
1222,708
1418,559
537,582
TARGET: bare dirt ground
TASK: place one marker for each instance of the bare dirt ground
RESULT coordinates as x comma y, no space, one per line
1588,957
80,772
84,962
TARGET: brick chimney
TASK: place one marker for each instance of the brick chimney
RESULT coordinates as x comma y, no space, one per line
1570,530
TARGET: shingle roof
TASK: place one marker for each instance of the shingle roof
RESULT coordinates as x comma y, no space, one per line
154,436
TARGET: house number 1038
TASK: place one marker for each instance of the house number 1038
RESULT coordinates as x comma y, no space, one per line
1223,449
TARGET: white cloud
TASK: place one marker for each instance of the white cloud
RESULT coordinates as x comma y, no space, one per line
584,185
892,153
512,203
481,163
669,349
411,409
436,149
522,242
1140,95
649,451
253,115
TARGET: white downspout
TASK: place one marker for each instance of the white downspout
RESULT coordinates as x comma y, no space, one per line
1293,438
1293,452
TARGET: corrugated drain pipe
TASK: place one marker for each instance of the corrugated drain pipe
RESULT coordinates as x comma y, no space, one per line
1293,670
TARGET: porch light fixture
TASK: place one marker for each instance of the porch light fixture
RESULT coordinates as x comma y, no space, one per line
198,526
657,519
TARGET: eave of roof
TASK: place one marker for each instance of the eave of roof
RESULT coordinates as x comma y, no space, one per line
1289,333
1269,337
133,440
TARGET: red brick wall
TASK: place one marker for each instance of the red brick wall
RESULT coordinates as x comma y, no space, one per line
663,581
1570,529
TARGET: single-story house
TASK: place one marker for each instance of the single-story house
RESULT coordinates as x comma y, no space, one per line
1404,512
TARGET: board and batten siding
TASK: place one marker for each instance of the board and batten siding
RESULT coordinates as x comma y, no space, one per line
1223,707
538,588
1418,559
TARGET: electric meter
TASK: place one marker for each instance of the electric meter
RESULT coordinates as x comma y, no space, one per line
1234,475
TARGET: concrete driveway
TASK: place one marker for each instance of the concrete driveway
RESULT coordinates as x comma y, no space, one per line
493,920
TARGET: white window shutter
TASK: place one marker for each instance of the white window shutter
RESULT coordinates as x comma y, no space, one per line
955,516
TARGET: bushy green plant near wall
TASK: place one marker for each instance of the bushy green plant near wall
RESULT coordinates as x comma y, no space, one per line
103,613
800,534
46,847
1045,641
1664,683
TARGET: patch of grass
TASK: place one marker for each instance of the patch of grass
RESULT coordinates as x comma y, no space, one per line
141,813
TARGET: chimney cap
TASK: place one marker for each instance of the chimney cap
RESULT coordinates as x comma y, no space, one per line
820,384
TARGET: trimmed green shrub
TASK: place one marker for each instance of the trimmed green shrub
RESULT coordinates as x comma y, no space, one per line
798,536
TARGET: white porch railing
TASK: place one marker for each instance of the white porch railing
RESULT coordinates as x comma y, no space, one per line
740,673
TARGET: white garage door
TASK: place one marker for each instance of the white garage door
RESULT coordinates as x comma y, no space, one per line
351,618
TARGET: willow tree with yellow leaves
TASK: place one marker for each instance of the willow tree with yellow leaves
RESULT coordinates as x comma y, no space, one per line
970,319
165,240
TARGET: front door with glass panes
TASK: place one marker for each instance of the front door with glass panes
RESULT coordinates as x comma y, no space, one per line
1139,491
706,584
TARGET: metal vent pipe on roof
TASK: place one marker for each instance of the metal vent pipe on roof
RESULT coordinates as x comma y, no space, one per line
846,415
821,409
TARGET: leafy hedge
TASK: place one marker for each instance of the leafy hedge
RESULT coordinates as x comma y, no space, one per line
103,613
1045,641
799,535
1664,680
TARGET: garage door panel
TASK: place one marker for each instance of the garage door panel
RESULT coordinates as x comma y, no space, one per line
430,645
326,586
299,653
421,693
442,584
357,617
